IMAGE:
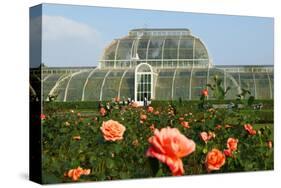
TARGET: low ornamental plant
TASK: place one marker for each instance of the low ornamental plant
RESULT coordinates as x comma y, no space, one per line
137,142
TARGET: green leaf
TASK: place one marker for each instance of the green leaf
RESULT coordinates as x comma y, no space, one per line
109,163
159,173
251,100
154,164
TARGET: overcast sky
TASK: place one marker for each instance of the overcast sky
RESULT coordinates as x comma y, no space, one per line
77,35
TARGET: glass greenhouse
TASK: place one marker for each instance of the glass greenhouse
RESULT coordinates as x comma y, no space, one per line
159,64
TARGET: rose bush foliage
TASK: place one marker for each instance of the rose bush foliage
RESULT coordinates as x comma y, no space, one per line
74,139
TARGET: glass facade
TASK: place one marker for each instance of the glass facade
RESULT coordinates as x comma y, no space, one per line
159,64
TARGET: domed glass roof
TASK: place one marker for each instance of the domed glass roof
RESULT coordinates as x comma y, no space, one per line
158,47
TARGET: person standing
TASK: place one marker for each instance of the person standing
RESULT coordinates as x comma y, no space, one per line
145,102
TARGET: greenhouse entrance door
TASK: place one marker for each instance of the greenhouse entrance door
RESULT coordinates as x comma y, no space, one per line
143,83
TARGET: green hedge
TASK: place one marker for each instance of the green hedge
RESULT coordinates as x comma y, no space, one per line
192,104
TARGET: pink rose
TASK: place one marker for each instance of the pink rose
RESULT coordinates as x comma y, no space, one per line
102,111
168,145
185,124
249,129
204,136
232,144
150,109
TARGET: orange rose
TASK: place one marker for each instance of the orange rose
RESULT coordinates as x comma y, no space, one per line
249,129
112,130
168,145
204,92
150,109
77,172
215,159
185,124
232,144
102,111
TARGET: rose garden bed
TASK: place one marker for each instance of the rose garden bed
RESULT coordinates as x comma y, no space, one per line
136,142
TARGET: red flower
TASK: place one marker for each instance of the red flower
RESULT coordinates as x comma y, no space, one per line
42,116
232,144
150,109
185,124
227,152
249,129
102,111
205,92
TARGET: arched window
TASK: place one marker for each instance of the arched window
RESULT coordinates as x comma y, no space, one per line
143,82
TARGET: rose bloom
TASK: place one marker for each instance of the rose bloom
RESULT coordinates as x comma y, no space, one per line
156,112
67,123
117,99
232,144
42,116
168,145
249,129
77,172
152,127
204,136
215,159
227,126
102,111
227,152
143,117
185,124
204,92
112,130
181,119
135,104
269,144
211,135
150,109
218,127
76,137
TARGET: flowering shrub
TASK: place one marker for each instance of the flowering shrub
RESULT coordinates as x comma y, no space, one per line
135,142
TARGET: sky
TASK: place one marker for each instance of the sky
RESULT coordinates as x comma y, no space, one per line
76,35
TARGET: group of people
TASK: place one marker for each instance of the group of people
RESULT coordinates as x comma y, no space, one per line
117,103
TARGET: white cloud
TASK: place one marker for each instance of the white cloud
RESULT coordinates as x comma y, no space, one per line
58,27
66,42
